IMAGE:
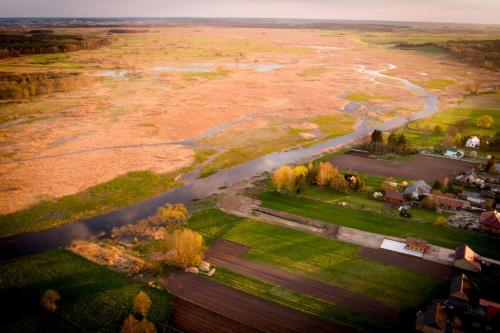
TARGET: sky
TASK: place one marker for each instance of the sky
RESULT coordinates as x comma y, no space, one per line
470,11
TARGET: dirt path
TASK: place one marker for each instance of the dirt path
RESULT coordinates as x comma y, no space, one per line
251,310
228,254
414,264
424,167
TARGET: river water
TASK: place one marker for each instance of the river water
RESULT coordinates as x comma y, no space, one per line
198,188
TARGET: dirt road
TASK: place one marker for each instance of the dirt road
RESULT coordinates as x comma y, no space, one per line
424,167
411,263
252,311
228,254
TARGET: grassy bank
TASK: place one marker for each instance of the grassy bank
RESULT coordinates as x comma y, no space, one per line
297,300
318,258
93,298
117,193
484,244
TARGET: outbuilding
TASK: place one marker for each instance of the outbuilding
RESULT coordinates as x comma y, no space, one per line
467,259
393,197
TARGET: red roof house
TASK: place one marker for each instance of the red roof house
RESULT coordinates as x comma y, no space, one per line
490,221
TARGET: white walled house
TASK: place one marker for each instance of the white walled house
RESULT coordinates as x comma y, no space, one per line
473,142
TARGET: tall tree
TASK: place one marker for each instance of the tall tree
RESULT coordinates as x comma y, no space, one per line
377,136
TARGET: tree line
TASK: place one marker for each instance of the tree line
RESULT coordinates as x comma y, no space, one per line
15,45
14,86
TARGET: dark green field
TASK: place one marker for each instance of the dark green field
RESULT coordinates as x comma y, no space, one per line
93,298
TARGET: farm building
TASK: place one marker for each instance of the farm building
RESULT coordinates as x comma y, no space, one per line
473,142
393,197
415,244
433,319
451,203
453,153
416,190
490,221
467,259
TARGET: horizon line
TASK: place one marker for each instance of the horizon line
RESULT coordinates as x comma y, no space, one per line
248,18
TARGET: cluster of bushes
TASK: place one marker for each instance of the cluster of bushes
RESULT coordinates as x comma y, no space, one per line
22,86
182,247
14,45
166,220
322,174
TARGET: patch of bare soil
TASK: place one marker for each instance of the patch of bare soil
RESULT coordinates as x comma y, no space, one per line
424,167
249,309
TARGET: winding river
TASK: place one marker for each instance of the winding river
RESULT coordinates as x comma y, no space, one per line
198,188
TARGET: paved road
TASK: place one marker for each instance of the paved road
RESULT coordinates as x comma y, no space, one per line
252,311
229,255
411,263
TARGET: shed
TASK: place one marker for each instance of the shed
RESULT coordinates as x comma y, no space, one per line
467,259
473,142
490,221
394,197
416,244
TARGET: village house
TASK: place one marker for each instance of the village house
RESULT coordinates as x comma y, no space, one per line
415,244
454,153
463,292
490,221
462,312
467,259
394,198
473,142
418,189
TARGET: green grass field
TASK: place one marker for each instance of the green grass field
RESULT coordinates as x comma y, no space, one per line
470,110
119,192
364,200
93,298
297,300
318,258
449,237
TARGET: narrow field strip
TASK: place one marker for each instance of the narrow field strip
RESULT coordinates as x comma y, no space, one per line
221,253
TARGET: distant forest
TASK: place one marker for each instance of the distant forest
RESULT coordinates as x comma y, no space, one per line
44,41
15,87
483,53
